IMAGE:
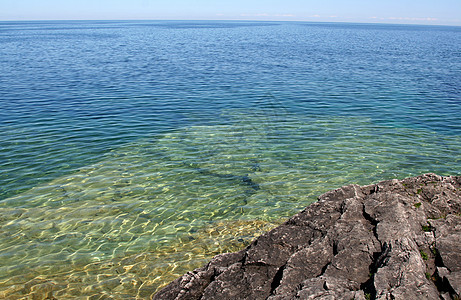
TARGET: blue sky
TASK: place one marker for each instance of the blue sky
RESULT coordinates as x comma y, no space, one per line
441,12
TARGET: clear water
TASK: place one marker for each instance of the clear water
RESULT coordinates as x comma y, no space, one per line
132,152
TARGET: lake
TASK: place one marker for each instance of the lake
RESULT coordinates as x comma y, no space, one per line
133,151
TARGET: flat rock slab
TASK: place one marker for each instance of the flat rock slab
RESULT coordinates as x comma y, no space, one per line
397,239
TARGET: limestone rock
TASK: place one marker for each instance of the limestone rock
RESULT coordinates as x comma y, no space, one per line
397,239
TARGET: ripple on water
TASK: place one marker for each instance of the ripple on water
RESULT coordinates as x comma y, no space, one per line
154,209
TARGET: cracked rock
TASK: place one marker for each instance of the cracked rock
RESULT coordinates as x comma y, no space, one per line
397,239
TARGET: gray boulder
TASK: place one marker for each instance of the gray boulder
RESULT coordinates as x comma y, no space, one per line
397,239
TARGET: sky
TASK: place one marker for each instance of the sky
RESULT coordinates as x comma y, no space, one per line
435,12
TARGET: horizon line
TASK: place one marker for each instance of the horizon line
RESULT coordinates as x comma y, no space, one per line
233,20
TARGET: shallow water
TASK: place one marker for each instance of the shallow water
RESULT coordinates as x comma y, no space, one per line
134,152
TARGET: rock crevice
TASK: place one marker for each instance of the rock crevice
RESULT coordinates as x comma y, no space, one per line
397,239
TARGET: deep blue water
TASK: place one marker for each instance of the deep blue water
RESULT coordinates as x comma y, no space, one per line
124,137
71,91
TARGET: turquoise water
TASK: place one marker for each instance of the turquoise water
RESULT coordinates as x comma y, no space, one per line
132,152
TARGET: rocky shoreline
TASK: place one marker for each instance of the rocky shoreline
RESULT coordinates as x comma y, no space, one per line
397,239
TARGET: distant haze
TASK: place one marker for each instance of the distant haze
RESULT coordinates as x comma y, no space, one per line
435,12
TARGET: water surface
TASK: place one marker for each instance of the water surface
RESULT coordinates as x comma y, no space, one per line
132,152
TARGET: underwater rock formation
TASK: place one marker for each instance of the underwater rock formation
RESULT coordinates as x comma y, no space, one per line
397,239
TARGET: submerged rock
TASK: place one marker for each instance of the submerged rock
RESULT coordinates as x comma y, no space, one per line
397,239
